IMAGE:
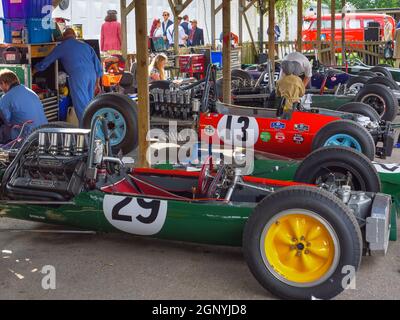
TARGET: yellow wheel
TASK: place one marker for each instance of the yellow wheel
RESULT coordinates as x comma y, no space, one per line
300,248
299,242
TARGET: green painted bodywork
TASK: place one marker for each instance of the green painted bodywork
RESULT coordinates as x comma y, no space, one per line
357,69
214,223
330,101
199,222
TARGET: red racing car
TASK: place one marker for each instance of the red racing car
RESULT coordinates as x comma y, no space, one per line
297,136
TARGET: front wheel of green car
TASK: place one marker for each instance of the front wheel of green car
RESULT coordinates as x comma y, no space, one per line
301,242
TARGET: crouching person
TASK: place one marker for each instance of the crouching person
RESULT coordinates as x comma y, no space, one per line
20,108
290,87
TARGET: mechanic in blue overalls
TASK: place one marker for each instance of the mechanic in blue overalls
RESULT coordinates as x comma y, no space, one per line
18,106
82,66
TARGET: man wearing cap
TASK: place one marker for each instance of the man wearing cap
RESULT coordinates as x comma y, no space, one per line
196,37
82,66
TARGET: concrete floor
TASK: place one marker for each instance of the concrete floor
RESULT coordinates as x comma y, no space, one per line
125,267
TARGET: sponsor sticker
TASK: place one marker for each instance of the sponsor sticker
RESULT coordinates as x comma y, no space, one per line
301,127
280,137
278,125
265,137
298,138
209,130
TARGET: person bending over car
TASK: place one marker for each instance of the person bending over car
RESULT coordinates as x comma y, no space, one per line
305,66
18,106
290,86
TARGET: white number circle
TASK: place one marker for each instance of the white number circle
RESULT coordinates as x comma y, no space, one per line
137,216
238,131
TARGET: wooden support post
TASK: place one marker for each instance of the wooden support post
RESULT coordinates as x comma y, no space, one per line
250,32
333,32
213,36
125,10
242,4
227,47
271,33
319,24
343,6
299,44
124,29
143,84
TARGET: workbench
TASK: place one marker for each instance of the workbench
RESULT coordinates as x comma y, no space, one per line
21,58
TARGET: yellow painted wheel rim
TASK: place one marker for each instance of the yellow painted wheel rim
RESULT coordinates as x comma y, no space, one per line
300,248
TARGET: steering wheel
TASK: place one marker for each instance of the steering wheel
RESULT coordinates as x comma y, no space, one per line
216,183
205,178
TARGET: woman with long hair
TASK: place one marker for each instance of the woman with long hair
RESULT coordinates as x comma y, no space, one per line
111,39
156,30
157,68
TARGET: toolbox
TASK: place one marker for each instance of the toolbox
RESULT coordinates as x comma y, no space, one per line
192,63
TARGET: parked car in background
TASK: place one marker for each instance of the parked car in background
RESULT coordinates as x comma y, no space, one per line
355,24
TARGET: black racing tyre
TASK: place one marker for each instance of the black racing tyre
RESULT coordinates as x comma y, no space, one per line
332,166
121,115
241,74
360,108
161,84
345,133
382,71
282,258
356,83
381,99
368,74
387,82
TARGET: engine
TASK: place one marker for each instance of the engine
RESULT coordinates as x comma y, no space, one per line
175,104
50,166
185,101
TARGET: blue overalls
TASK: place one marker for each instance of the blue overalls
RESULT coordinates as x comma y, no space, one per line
83,67
18,106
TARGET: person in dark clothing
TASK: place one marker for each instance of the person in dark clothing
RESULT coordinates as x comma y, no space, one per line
82,66
186,24
167,22
196,37
18,106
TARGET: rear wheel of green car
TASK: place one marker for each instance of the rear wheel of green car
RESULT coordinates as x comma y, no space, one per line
300,243
334,167
381,99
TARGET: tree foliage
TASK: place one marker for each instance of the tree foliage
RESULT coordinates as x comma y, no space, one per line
367,4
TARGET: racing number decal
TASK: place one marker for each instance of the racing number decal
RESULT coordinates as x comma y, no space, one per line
238,131
387,168
135,216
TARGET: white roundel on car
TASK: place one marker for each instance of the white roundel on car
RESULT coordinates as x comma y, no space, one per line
238,131
387,168
144,217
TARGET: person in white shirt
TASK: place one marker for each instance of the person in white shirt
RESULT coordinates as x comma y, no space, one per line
182,34
306,66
